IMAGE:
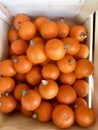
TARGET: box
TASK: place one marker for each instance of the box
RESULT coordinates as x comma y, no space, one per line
79,11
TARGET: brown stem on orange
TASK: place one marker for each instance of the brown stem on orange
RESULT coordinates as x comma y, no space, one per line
83,35
70,61
66,46
24,92
35,115
44,82
65,115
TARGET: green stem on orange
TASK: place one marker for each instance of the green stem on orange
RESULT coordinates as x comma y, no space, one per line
70,61
24,92
66,46
6,93
15,60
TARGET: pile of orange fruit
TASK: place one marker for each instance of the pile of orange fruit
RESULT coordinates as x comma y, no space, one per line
45,73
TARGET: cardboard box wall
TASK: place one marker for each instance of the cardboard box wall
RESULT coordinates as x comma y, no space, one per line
79,11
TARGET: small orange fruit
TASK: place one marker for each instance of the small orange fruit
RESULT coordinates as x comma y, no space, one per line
19,47
7,85
30,100
7,68
63,116
13,35
18,90
34,76
44,112
66,94
83,52
79,32
67,78
7,104
22,64
39,21
36,52
84,116
63,29
84,68
26,113
27,30
19,19
55,49
50,71
71,45
48,89
49,30
81,87
67,64
20,77
79,101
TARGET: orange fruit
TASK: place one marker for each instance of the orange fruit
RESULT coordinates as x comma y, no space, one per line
48,89
84,116
7,104
63,116
7,68
20,77
71,45
13,35
19,47
19,19
84,68
44,112
55,49
34,76
39,21
7,85
36,52
22,64
67,78
83,52
81,87
79,32
67,64
26,113
30,100
49,30
63,29
79,101
18,90
50,71
66,94
27,30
